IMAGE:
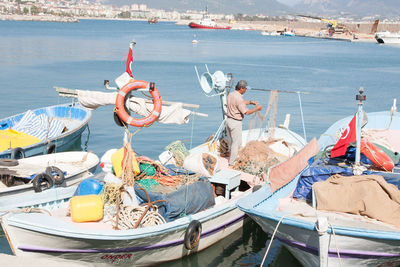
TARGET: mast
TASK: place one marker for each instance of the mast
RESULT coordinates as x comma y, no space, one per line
360,98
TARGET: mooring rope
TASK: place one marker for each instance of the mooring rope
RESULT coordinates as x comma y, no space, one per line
337,249
25,210
272,238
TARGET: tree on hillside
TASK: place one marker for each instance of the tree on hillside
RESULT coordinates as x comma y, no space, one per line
125,15
34,10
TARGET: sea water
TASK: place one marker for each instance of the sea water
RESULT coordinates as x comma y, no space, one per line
36,56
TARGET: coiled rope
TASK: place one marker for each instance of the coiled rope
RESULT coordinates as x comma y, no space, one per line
129,217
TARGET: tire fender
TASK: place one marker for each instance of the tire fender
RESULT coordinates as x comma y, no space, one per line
42,181
8,162
192,235
17,153
50,148
56,174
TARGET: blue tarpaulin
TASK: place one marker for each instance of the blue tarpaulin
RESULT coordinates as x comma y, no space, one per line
188,199
317,172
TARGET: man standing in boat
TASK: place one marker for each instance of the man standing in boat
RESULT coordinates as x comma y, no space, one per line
236,109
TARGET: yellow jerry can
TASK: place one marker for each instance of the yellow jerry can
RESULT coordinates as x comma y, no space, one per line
87,208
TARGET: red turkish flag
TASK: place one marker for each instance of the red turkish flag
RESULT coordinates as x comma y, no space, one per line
129,62
349,135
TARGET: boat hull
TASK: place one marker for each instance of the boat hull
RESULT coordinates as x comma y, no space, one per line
387,38
150,246
353,250
216,27
75,117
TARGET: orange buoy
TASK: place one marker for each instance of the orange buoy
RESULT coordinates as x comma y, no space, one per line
376,155
120,104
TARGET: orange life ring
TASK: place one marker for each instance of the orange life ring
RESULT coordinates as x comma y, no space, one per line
120,104
376,155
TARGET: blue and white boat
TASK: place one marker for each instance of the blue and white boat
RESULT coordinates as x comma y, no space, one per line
321,232
187,229
42,131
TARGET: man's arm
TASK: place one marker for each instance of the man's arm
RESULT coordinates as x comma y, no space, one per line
251,111
255,103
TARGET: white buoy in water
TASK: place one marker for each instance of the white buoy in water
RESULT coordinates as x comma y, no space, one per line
194,41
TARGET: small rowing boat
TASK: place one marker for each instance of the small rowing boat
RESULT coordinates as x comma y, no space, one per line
42,131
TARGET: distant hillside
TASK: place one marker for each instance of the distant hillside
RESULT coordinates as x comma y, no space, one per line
355,8
380,8
250,7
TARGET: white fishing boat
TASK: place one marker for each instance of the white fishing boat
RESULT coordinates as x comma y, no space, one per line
267,33
387,37
25,177
341,220
196,215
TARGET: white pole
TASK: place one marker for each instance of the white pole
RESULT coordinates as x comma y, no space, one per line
360,98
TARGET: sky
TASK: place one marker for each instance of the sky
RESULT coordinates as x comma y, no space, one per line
289,2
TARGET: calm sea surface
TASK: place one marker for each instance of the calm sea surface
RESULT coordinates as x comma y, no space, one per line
35,56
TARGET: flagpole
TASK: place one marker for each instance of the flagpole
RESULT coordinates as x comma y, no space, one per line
360,98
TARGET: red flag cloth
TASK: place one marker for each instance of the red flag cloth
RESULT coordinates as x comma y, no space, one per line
349,135
129,62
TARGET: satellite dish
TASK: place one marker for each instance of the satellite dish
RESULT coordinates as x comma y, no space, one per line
206,82
220,80
216,81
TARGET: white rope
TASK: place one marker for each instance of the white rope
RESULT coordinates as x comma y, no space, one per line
129,216
337,249
24,210
316,227
272,238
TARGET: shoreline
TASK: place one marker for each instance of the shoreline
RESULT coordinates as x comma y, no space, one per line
47,18
358,32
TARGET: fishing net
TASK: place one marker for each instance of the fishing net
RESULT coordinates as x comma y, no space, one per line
257,156
147,184
178,151
223,147
128,175
256,123
112,193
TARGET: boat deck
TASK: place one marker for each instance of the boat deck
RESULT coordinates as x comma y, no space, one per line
303,211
